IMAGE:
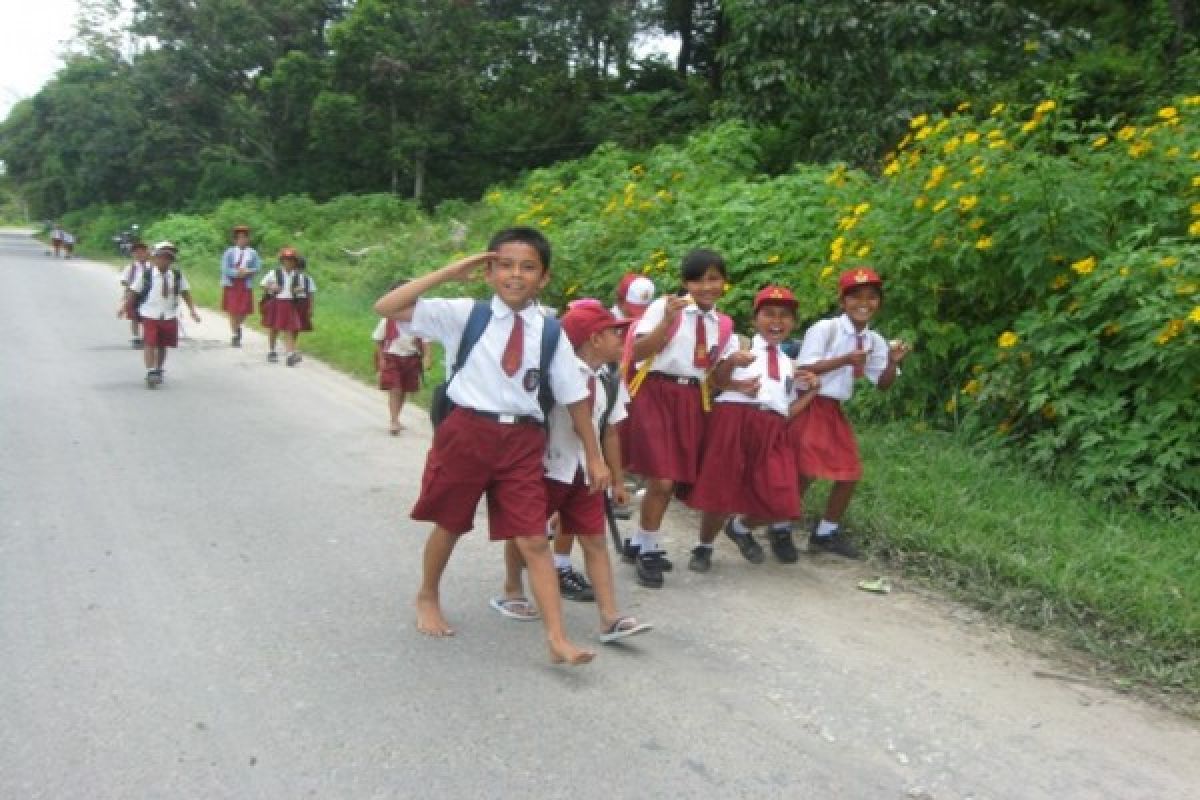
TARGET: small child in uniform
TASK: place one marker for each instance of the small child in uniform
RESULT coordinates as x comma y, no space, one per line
239,264
285,286
747,465
156,292
493,439
128,308
840,350
683,344
400,358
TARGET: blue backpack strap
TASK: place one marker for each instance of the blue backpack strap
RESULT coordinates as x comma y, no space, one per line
477,322
551,330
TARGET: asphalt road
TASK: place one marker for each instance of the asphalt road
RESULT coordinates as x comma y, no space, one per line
205,592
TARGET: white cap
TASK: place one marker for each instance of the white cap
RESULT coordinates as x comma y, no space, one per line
165,247
640,291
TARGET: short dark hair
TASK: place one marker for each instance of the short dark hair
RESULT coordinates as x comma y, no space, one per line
525,235
697,262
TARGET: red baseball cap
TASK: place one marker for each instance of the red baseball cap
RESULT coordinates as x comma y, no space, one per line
774,295
288,252
859,276
585,318
636,291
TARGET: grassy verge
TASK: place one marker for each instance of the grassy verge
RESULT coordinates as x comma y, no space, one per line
1122,586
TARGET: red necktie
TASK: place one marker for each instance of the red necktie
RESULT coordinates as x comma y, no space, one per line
859,344
772,362
700,359
510,362
163,273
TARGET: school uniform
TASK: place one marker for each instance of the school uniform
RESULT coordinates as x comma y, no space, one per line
747,465
128,276
280,312
159,312
493,441
567,482
400,357
236,295
822,438
666,417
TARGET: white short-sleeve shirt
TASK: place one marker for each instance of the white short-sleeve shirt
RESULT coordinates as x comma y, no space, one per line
564,449
288,283
481,384
156,305
132,271
775,394
830,338
678,356
405,344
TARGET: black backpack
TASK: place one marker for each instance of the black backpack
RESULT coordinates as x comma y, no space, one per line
147,282
440,404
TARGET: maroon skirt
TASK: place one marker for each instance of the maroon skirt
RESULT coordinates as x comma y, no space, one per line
666,430
746,466
281,315
400,372
823,442
237,299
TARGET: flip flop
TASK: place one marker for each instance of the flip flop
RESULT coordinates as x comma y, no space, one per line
624,626
515,608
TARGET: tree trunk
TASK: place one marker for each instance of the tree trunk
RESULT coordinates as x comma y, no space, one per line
1179,13
419,175
685,22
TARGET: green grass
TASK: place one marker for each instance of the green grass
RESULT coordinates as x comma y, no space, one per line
963,517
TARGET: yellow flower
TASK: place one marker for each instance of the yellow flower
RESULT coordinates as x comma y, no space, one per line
1172,152
997,144
919,201
545,222
1127,133
1168,262
978,170
941,126
892,168
1139,149
939,205
638,169
998,108
967,202
862,208
773,259
923,133
918,121
611,207
958,185
970,137
951,405
630,187
825,273
984,243
645,205
1172,329
904,142
939,242
1194,100
1099,141
1111,329
556,190
1007,340
663,195
995,134
1123,272
570,291
1185,289
863,251
1194,228
495,197
1031,46
1196,182
1030,126
1168,112
1194,316
975,224
971,387
1060,282
676,176
1084,266
847,223
1046,106
963,106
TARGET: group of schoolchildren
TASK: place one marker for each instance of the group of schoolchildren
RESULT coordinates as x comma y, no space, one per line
661,388
152,290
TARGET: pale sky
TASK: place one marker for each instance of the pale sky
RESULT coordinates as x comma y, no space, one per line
31,36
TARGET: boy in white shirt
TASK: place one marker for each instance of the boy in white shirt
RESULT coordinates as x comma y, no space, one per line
400,359
128,308
156,292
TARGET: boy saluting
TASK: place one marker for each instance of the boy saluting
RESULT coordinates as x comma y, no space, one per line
493,440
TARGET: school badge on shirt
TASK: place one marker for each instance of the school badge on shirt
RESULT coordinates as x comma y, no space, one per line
531,379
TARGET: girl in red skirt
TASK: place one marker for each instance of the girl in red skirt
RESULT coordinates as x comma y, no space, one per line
841,350
401,358
284,285
747,465
239,265
683,343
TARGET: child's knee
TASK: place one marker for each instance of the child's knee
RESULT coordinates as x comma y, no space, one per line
591,545
660,486
532,546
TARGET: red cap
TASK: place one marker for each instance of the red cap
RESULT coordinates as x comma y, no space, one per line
859,276
241,228
288,252
636,291
585,318
774,295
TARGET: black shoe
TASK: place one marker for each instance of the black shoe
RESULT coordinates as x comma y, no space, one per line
836,543
701,560
272,357
751,550
782,545
293,359
650,570
574,586
236,341
629,554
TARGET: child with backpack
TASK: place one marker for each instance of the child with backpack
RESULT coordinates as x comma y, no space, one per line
841,350
239,264
685,347
747,465
508,358
597,337
284,287
400,359
128,308
156,293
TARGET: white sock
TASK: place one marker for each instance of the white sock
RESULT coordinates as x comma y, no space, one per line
737,526
782,527
704,545
561,561
649,541
826,528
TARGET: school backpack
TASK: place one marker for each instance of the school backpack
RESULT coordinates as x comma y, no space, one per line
277,274
147,283
440,404
610,378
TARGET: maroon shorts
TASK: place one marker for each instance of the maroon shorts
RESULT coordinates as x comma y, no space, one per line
160,332
747,465
666,430
580,512
472,456
400,372
823,442
304,311
281,315
131,310
237,300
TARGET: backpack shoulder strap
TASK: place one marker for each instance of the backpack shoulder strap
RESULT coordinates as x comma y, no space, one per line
551,330
611,380
477,322
178,279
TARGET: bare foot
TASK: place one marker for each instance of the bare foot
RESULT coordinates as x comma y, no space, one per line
565,652
430,620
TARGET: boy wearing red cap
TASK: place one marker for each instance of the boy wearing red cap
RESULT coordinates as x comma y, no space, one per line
597,338
493,440
635,293
841,350
747,465
285,286
239,263
156,293
128,309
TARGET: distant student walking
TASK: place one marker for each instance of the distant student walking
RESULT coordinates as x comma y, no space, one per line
400,360
285,286
157,293
129,304
239,264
